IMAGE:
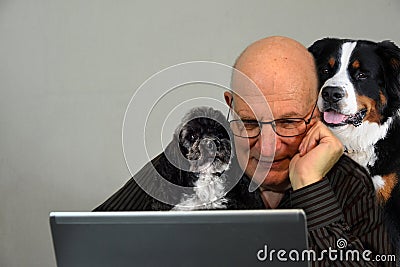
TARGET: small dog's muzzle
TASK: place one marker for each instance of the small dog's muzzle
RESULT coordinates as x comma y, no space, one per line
208,147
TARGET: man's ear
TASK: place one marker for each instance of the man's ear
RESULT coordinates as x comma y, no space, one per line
228,98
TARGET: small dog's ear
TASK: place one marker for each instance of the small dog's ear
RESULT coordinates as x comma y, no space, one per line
390,54
175,156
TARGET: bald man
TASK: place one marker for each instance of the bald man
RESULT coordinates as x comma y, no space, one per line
307,168
284,72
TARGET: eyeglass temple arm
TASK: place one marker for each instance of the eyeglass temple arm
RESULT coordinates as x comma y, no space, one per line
312,113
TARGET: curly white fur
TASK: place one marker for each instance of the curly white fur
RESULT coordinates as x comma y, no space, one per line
209,192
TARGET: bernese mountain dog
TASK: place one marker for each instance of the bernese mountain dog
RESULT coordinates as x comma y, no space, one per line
359,100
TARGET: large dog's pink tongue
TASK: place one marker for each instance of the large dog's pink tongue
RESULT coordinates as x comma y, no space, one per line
334,117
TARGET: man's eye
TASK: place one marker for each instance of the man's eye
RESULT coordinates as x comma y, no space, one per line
250,125
288,124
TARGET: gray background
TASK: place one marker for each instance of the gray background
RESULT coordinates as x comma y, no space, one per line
69,68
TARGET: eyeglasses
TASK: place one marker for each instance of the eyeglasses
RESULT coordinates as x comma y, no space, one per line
287,127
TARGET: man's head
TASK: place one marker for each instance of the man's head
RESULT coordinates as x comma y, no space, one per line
284,72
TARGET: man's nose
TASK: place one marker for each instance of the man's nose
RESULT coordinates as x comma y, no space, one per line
267,141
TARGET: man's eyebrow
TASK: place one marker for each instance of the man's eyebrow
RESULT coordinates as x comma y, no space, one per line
284,116
244,115
291,115
248,118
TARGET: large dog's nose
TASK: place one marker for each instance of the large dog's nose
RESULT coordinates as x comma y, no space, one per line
332,94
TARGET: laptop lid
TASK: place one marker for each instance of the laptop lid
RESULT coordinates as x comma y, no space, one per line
178,238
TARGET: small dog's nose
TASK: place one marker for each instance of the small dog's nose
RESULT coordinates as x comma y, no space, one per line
210,144
332,94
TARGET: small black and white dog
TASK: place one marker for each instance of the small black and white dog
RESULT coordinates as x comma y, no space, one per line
359,100
199,156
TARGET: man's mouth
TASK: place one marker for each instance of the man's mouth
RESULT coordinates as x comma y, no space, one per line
266,160
334,119
271,163
277,163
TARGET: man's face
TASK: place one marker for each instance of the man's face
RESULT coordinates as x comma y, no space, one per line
268,151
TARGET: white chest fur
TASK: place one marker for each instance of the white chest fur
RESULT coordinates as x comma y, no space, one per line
359,141
209,194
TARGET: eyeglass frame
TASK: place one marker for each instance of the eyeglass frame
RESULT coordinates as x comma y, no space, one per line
261,123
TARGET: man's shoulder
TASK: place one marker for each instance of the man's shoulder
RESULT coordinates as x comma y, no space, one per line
347,171
349,165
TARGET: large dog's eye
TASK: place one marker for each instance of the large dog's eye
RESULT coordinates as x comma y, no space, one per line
325,70
361,76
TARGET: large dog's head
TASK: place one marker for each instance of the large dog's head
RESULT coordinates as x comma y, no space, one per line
204,140
359,81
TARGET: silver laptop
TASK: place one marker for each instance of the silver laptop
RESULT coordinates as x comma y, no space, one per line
178,238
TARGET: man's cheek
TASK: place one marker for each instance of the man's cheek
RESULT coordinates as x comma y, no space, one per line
242,146
242,157
291,145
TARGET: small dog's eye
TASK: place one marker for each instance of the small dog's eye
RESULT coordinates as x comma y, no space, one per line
192,137
221,135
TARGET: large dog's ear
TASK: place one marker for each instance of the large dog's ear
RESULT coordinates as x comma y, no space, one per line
390,54
318,47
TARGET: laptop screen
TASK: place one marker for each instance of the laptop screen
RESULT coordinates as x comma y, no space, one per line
178,238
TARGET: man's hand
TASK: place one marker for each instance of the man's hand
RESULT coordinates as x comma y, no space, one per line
318,152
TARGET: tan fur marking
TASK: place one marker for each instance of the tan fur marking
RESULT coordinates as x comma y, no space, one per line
395,63
383,99
356,64
372,112
383,194
332,62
